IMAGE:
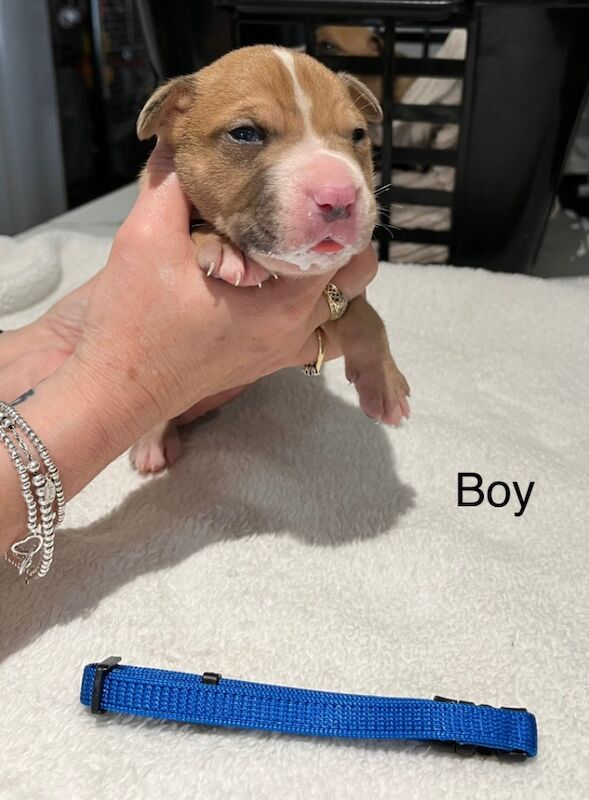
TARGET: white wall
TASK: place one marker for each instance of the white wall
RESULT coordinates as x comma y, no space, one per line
32,182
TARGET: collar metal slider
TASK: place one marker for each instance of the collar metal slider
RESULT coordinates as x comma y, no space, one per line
102,671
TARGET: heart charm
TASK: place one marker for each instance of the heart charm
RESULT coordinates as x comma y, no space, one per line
27,549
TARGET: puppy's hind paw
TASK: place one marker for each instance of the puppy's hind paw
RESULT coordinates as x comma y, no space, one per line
157,449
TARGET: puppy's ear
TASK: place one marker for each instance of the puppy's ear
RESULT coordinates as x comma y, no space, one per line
362,98
173,98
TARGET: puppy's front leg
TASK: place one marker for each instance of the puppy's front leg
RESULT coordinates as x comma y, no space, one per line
362,338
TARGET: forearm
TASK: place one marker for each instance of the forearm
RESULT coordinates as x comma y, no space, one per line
83,429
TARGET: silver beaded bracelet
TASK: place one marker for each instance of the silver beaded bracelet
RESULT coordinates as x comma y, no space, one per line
42,492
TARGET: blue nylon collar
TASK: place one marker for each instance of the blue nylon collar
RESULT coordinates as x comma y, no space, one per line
209,699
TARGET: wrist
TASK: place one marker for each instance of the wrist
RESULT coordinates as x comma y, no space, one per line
84,424
82,421
121,410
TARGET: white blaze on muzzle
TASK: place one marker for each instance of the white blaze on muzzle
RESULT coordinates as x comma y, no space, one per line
298,180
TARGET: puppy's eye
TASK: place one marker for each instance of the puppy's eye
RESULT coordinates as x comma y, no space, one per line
248,134
328,48
358,134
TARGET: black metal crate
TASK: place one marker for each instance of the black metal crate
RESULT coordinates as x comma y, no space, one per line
524,77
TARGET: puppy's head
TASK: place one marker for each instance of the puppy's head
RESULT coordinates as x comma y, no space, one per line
272,149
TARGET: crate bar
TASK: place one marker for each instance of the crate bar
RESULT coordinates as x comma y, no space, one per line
431,67
433,10
421,236
349,20
399,195
386,153
236,23
462,143
426,41
424,113
369,65
407,36
424,156
310,37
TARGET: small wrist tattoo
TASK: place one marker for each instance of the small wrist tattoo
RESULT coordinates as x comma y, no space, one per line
23,397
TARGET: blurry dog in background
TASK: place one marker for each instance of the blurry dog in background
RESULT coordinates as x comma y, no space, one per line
344,40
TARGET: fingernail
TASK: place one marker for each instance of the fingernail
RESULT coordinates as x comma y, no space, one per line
211,269
238,280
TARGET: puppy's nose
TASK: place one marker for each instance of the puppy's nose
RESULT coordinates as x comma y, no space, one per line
335,202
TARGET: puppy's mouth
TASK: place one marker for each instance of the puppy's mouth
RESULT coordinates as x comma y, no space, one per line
324,256
322,251
327,245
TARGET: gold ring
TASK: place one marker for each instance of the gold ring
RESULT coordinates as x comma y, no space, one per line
336,300
315,369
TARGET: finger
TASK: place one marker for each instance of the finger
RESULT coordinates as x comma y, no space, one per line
161,204
351,280
309,352
360,270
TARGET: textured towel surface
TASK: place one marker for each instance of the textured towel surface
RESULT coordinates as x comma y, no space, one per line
297,543
29,271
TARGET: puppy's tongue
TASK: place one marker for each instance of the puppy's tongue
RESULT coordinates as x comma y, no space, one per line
327,246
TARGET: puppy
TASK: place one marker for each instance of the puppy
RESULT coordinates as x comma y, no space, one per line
272,149
354,40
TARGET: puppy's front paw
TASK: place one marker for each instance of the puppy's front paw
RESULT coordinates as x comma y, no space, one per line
382,390
157,449
220,258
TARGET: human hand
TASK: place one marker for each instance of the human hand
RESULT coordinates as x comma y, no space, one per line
157,335
30,354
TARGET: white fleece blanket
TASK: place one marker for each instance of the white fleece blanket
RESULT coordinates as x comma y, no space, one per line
297,543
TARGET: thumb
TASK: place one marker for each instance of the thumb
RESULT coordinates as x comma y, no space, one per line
161,203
